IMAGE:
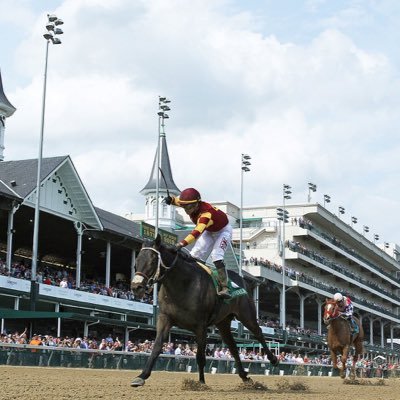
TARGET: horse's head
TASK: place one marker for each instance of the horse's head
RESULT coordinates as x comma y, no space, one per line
330,311
147,266
153,261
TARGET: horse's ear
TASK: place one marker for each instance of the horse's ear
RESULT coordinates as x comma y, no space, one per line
157,241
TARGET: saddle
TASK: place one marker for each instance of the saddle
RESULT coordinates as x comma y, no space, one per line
233,289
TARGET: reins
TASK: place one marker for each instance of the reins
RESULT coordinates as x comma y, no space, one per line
160,263
331,314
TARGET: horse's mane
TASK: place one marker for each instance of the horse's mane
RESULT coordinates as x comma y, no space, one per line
171,249
184,255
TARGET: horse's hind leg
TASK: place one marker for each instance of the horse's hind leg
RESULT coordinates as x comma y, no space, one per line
163,327
247,315
359,350
224,328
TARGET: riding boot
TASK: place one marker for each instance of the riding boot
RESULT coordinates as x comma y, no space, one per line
223,280
354,326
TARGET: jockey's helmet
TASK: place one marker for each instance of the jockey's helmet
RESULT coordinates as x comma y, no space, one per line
338,297
189,196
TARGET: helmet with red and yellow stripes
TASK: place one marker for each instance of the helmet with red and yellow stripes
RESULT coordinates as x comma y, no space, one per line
189,196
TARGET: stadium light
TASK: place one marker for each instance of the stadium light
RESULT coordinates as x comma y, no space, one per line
283,216
162,115
50,37
244,168
327,199
312,187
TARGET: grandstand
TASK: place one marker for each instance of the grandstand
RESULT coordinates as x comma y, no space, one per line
95,251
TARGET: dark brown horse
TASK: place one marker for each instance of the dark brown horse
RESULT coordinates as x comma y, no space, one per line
187,299
340,337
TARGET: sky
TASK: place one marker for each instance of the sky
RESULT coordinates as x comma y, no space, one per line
309,89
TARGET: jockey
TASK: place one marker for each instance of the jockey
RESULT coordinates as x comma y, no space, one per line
345,307
212,232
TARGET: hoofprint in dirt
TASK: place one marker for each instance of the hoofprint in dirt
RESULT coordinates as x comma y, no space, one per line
38,383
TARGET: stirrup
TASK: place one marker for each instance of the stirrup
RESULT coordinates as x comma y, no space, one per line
224,294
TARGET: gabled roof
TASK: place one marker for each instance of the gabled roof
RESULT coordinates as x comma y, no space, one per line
62,191
117,224
5,106
165,166
7,191
24,173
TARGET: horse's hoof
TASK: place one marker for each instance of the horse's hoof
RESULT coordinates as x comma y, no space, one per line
138,382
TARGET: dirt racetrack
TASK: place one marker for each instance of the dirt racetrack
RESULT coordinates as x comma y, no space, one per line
39,383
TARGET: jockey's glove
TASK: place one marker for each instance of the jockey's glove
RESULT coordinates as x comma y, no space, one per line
178,246
168,200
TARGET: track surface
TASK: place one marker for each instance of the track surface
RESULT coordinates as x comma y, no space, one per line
39,383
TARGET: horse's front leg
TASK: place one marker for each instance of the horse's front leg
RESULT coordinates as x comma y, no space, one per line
201,353
353,368
334,359
163,328
345,353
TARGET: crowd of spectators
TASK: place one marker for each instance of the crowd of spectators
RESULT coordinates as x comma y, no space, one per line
335,241
291,326
65,278
298,247
110,343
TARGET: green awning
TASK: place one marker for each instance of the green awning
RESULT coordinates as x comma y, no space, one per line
21,314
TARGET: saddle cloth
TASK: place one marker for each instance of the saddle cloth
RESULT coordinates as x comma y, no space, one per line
234,290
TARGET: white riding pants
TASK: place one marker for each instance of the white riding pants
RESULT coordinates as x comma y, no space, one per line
215,243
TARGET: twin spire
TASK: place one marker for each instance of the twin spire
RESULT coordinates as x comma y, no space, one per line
6,110
165,166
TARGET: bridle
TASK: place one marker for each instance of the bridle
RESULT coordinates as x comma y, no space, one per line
330,313
156,276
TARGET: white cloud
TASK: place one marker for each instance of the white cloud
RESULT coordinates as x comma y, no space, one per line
322,111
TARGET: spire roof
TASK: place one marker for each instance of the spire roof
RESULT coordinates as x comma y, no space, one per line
5,106
165,168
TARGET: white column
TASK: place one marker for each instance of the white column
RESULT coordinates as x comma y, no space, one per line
382,333
371,331
78,260
391,336
126,336
319,313
79,230
86,329
302,299
256,297
57,309
10,233
280,305
108,264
